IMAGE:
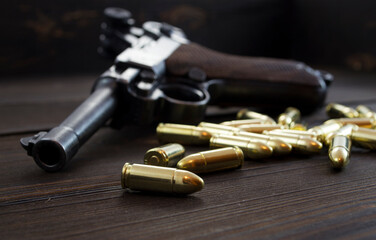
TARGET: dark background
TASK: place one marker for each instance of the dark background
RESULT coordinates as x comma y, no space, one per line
61,37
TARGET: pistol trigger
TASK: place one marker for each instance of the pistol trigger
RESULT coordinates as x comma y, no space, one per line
28,142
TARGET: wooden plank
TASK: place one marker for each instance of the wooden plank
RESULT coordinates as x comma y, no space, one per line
281,197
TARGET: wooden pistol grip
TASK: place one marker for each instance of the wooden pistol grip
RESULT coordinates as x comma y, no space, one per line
251,80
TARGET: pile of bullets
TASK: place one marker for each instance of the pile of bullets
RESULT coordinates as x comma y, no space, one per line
252,135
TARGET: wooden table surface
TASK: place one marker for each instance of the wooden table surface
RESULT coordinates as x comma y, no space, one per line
292,197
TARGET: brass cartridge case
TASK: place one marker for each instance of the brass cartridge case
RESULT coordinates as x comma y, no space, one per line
214,128
364,137
183,134
335,110
289,117
159,179
259,128
246,114
296,132
339,151
299,143
236,123
361,122
279,146
213,160
166,156
251,148
365,112
322,130
343,131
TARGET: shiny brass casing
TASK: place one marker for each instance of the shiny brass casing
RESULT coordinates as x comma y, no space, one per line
289,117
296,132
299,143
339,151
361,122
214,128
366,112
236,123
259,128
322,130
213,160
335,110
159,179
343,131
251,148
166,156
183,134
279,146
246,114
364,137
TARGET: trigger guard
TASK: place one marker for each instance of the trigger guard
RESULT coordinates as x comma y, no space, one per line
181,103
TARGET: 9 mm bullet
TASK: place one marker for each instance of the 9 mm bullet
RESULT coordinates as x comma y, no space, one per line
246,114
340,147
213,160
289,117
300,143
366,112
364,137
159,179
251,148
335,110
166,156
183,134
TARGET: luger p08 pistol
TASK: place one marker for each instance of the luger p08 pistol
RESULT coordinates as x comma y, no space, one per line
159,75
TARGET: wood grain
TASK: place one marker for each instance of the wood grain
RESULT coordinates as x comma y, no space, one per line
293,197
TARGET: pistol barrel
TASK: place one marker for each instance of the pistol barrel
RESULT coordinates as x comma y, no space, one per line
52,151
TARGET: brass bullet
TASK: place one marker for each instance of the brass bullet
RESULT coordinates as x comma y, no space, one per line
166,156
279,146
159,179
236,123
339,151
214,128
335,110
297,132
322,130
343,131
299,143
366,112
246,114
289,117
364,137
259,128
183,134
213,160
361,122
251,148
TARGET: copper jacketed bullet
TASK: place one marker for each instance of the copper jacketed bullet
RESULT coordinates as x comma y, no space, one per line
335,110
366,112
364,137
299,143
213,160
361,122
289,117
339,151
183,134
246,114
166,156
159,179
322,130
251,148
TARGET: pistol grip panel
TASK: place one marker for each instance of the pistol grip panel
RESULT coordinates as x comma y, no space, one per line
264,78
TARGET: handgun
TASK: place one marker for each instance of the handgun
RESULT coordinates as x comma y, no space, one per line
158,75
